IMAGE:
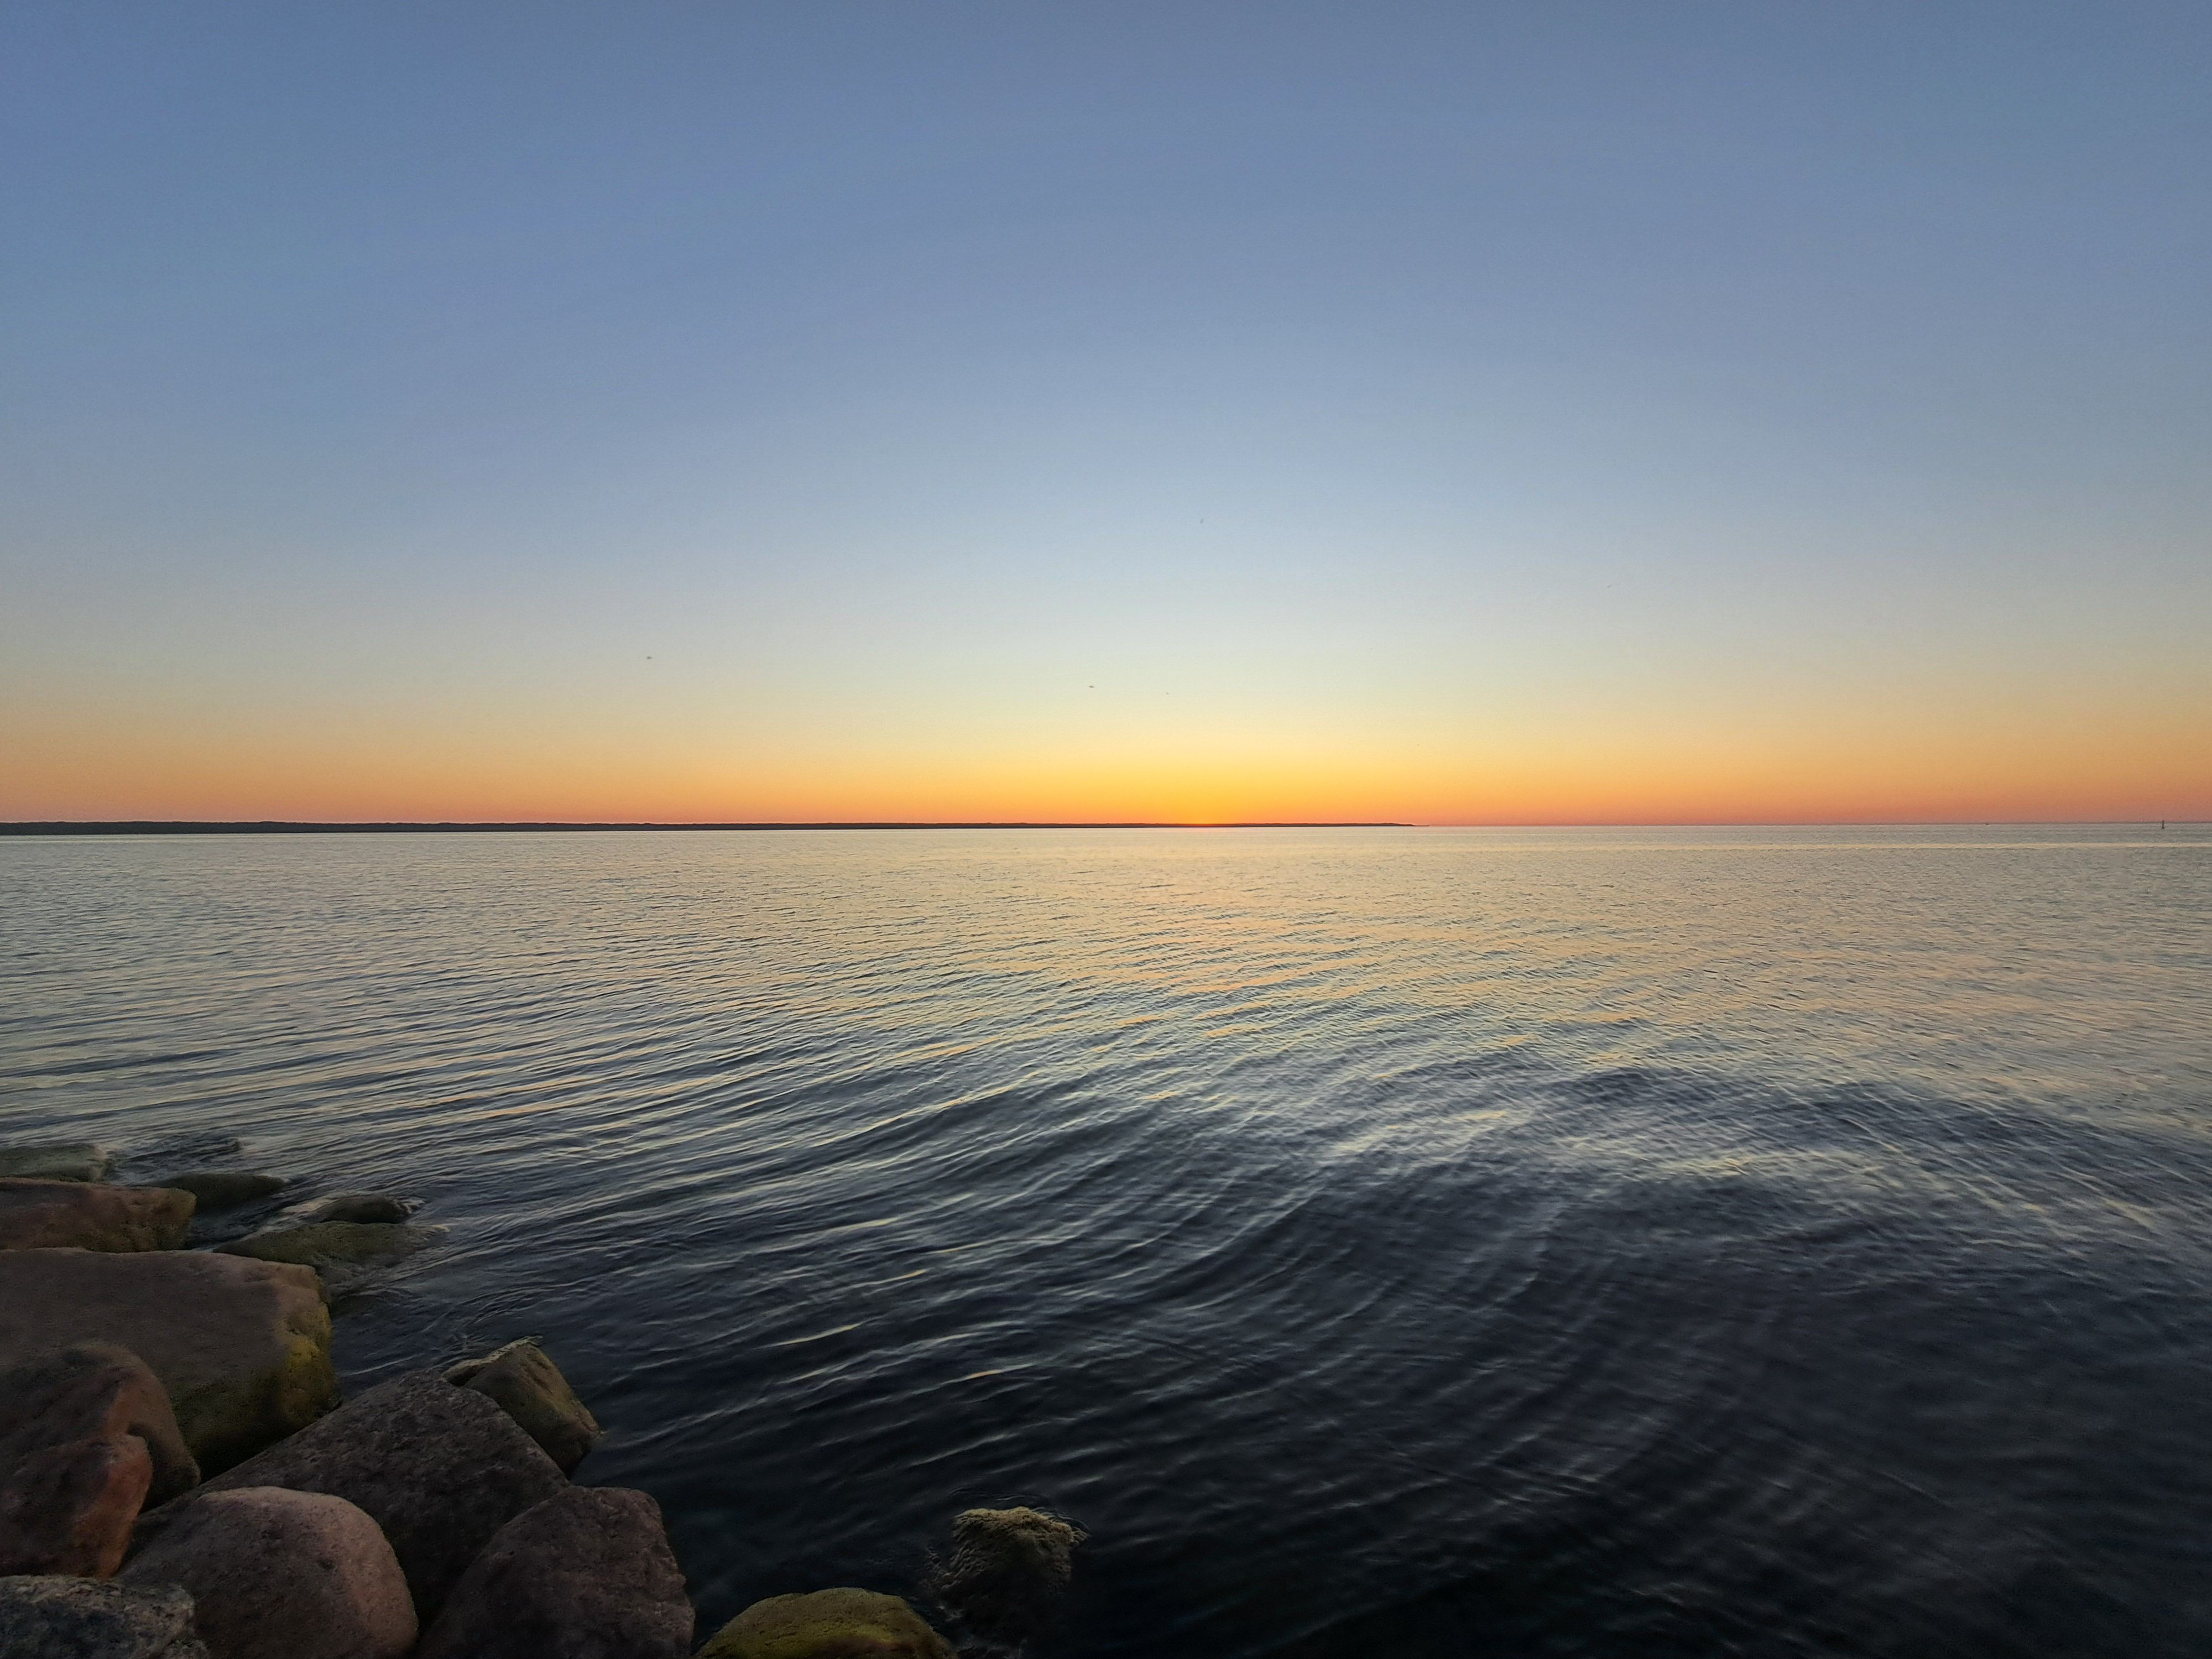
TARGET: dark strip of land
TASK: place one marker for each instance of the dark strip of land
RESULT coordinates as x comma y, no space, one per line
279,827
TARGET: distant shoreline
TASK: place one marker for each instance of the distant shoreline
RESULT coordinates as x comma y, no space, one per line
304,827
280,827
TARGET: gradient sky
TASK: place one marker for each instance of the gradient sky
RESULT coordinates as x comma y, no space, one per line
1452,413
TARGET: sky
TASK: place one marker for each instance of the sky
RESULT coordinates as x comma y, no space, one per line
1533,413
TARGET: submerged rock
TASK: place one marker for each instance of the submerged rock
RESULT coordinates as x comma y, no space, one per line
831,1624
226,1190
87,1437
1009,1570
56,1618
72,1160
439,1468
241,1348
530,1389
350,1206
282,1575
587,1574
38,1215
335,1243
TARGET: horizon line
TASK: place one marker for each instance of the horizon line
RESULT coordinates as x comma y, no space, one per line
309,826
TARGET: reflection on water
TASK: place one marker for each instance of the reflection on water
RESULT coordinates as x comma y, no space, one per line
1420,1242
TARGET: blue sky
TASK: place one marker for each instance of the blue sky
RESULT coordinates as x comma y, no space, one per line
749,407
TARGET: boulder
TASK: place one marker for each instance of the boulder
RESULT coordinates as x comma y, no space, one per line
831,1624
333,1244
1009,1570
68,1508
54,1618
74,1160
282,1575
226,1190
350,1206
587,1574
85,1438
439,1468
36,1215
95,1391
242,1348
522,1378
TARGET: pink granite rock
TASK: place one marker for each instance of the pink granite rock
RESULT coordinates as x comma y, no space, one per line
282,1575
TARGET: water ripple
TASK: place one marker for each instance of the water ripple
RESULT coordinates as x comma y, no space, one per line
1447,1243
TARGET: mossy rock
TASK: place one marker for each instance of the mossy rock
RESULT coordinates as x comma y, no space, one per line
72,1160
831,1624
350,1206
335,1243
522,1378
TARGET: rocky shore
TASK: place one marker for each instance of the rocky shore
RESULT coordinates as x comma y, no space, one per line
180,1478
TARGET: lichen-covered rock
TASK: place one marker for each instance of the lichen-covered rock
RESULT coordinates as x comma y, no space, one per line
74,1160
587,1574
530,1389
350,1206
59,1617
242,1348
41,1215
226,1190
831,1624
282,1575
334,1243
439,1468
1009,1570
94,1391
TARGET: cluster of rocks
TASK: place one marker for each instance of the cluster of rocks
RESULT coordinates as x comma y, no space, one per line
179,1479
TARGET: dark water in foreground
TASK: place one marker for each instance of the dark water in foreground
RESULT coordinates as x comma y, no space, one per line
1424,1242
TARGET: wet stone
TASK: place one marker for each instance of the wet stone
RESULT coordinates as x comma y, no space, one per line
72,1160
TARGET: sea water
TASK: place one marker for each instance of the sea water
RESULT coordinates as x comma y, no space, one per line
1414,1242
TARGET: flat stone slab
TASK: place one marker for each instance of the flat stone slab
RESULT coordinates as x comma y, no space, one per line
441,1469
84,1215
284,1575
58,1617
335,1243
70,1160
242,1348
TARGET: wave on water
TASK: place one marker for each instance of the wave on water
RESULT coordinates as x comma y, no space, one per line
1376,1241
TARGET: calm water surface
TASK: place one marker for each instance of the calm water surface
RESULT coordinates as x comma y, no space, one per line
1423,1242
